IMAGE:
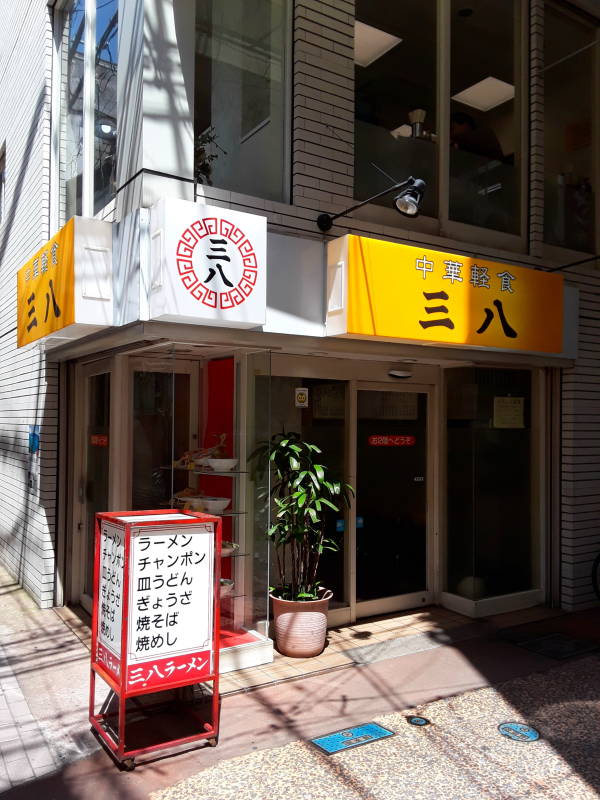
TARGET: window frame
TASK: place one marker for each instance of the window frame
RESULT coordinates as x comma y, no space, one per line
553,252
61,11
443,226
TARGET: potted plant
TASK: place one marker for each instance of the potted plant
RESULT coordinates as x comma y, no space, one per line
301,495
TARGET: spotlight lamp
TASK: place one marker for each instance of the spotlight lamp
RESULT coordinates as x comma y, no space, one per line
407,202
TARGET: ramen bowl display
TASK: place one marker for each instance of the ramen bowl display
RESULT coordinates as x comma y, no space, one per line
222,464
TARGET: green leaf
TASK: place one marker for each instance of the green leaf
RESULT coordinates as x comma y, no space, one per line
313,514
329,503
294,463
320,472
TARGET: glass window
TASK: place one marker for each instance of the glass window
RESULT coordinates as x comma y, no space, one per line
72,105
395,55
485,126
240,104
322,423
81,193
105,102
161,427
569,105
492,538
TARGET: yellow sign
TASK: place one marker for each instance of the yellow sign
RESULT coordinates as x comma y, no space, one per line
401,292
46,289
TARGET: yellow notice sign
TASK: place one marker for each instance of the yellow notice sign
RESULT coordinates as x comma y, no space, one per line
46,289
400,292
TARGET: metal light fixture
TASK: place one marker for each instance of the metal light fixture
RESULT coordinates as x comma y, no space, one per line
407,202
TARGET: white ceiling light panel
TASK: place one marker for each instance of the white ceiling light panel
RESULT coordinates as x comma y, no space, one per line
487,94
371,43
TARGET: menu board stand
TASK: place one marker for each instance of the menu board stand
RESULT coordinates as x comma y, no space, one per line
155,628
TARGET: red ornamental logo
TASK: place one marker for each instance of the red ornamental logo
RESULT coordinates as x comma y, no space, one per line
217,263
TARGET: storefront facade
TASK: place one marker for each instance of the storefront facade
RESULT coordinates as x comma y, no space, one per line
450,448
450,376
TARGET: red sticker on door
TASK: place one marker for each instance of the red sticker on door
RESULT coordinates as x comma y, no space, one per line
392,441
99,440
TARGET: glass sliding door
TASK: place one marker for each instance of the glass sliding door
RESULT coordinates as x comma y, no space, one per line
493,538
391,500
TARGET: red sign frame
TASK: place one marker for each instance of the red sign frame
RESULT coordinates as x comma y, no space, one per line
171,672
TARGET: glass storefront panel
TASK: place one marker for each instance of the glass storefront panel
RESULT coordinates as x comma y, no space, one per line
105,102
485,121
323,423
491,527
395,98
185,413
569,98
161,429
96,466
240,96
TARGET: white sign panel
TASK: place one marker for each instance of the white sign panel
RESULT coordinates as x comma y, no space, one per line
509,412
170,603
207,265
110,600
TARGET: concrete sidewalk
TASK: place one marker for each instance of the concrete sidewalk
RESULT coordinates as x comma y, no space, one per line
51,665
461,754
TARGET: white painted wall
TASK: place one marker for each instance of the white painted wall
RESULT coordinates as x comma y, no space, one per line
28,386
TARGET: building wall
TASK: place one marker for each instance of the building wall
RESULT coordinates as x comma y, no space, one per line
580,465
28,387
155,130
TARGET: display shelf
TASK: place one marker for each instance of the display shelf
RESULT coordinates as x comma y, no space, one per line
227,513
220,473
229,473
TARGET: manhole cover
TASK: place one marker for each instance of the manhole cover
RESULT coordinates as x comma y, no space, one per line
519,732
418,721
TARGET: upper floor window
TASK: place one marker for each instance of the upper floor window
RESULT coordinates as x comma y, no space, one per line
105,102
399,67
240,96
71,162
485,119
395,57
89,101
569,135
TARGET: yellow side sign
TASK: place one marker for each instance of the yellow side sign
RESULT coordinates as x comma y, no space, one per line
46,289
402,292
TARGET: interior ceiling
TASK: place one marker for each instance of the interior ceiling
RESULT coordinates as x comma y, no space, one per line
405,77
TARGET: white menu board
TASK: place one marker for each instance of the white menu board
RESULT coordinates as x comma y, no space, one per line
110,598
171,590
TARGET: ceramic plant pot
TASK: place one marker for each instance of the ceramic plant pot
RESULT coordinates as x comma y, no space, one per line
301,626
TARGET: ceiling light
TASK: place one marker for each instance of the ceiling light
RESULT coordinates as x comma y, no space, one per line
371,43
487,94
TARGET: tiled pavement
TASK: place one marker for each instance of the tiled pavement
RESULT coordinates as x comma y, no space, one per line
24,752
45,656
375,639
